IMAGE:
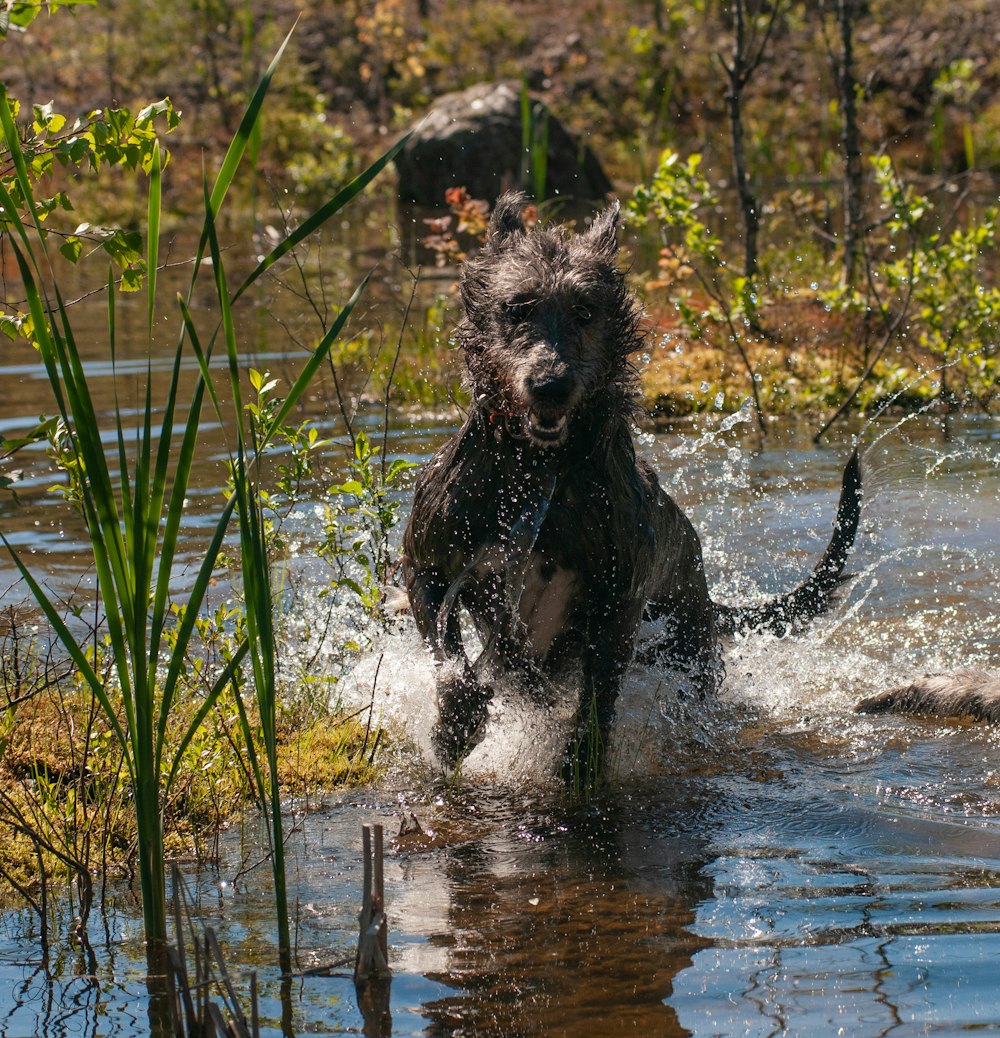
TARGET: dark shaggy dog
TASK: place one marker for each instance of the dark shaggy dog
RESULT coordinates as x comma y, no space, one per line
964,693
538,519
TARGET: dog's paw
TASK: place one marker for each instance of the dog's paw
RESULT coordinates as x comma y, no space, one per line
463,709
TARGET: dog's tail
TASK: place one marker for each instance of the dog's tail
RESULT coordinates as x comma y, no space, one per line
810,598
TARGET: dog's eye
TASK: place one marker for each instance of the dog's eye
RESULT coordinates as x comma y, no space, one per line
581,313
519,311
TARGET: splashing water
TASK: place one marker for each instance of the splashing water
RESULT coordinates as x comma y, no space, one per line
769,862
919,598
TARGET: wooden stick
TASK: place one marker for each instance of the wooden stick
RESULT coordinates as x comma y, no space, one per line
378,906
372,959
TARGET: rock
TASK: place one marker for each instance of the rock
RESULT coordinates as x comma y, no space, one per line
473,139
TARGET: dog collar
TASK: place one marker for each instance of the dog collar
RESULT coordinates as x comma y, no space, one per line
501,420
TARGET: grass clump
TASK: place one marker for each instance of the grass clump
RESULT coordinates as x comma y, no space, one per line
65,801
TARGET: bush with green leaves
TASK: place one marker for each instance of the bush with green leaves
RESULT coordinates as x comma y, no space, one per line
679,200
932,292
94,142
942,279
361,513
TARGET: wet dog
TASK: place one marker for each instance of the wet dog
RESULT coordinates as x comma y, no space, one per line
538,518
963,693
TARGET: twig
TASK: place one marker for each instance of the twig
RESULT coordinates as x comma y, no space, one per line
371,705
395,360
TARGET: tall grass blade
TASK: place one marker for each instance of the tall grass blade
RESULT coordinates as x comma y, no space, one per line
229,675
259,611
81,422
185,629
527,133
316,360
20,172
238,145
312,223
153,237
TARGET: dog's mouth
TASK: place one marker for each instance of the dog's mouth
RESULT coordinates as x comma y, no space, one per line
546,429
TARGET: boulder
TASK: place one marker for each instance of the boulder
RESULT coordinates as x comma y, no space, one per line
473,139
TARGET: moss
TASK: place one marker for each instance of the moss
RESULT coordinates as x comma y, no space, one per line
807,361
328,753
61,779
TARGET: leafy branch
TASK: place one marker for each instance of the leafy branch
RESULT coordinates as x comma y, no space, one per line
675,197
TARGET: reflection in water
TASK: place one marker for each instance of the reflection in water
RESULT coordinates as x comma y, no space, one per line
562,919
767,863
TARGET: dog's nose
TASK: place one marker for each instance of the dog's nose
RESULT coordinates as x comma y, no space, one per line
554,387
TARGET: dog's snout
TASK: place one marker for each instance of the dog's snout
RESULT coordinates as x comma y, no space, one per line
553,387
549,393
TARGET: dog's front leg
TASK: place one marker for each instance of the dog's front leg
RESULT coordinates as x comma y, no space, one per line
462,700
605,661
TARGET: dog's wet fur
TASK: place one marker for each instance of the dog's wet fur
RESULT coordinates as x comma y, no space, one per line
538,518
968,692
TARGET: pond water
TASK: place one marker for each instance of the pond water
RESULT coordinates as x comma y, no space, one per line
765,863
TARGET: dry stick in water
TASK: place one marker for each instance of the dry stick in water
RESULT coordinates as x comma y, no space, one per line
372,976
194,1014
373,938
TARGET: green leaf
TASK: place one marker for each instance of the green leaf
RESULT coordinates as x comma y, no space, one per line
40,432
131,279
124,247
78,149
47,121
71,248
10,326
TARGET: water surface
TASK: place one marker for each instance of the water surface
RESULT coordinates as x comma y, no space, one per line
765,863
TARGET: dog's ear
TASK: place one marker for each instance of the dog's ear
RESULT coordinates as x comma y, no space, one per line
508,217
602,232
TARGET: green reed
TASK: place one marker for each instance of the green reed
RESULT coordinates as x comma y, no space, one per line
134,521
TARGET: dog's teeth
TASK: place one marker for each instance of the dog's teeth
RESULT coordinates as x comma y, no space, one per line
548,424
546,430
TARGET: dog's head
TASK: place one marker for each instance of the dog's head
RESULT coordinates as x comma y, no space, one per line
549,323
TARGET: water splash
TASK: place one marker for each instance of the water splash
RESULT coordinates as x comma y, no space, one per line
921,598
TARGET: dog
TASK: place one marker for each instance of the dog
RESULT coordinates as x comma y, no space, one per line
538,518
968,692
